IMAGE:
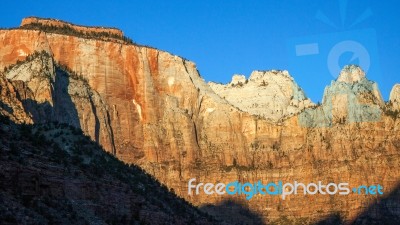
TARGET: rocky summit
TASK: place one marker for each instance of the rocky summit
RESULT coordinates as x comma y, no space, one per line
274,94
395,97
351,74
153,109
351,98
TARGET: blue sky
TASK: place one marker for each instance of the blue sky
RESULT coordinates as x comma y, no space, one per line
228,37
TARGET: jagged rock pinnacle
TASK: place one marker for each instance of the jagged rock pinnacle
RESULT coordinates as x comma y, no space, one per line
351,74
238,79
395,96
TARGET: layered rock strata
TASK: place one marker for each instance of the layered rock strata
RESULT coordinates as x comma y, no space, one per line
152,108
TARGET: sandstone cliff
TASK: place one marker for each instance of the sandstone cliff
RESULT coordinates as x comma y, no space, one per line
152,108
10,103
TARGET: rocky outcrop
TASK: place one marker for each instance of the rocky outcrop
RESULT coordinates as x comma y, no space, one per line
395,97
273,95
153,109
351,74
351,98
10,103
50,92
26,22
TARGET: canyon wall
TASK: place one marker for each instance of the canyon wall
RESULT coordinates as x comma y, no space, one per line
152,108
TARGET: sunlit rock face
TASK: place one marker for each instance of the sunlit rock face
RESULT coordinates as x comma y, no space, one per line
351,98
274,94
351,74
395,97
152,108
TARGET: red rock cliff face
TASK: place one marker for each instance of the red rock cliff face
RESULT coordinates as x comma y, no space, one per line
159,113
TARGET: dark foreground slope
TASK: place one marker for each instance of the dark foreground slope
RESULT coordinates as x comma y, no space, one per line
52,174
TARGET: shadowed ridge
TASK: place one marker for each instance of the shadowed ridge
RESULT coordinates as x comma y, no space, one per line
53,174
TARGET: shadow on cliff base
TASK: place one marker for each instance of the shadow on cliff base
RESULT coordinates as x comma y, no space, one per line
233,212
385,211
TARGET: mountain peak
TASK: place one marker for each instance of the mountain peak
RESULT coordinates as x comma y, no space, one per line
351,98
271,94
351,74
395,93
395,96
260,75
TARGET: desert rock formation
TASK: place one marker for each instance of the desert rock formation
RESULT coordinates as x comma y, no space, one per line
395,97
152,108
274,94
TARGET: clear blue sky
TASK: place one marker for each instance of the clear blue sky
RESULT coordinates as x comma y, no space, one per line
227,37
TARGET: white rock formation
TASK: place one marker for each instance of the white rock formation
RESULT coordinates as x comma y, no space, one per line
270,94
351,98
395,97
351,74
